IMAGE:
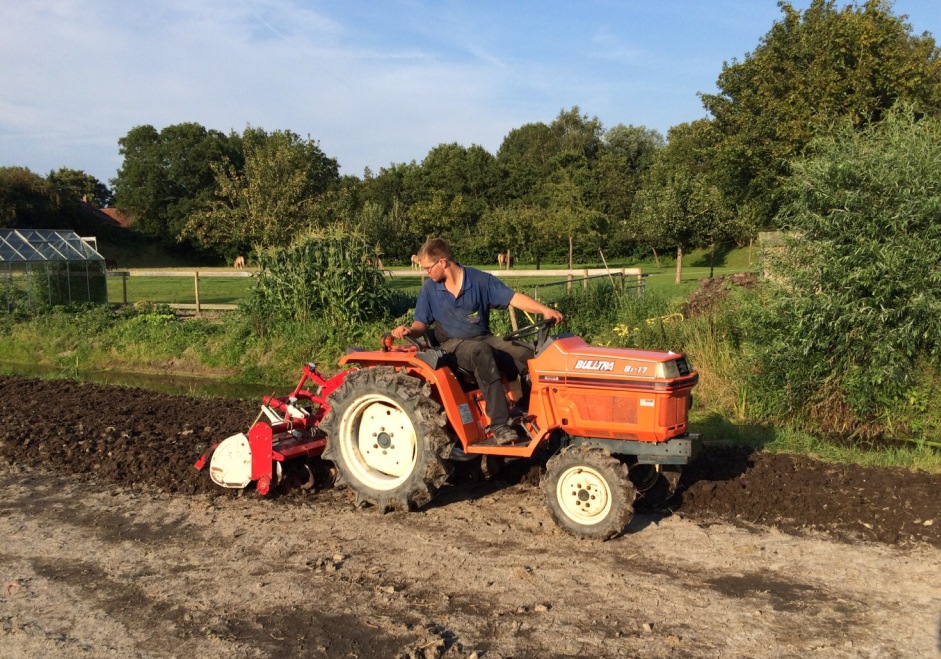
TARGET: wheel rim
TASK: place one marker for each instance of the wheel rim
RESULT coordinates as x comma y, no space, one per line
378,442
583,495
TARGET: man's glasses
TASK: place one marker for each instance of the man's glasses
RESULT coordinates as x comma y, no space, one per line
429,268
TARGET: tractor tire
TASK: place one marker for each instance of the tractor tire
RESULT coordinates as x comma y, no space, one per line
386,439
588,492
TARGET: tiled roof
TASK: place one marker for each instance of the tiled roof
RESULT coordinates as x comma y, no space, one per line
117,216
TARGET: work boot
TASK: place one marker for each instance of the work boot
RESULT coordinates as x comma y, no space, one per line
503,435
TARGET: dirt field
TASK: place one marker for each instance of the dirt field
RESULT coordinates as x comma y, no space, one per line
113,545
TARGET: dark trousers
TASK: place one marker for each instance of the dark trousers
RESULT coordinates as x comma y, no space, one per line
488,356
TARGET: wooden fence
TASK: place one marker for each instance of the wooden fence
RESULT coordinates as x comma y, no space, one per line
568,277
196,275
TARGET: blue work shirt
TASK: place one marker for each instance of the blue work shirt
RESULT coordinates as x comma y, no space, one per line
468,315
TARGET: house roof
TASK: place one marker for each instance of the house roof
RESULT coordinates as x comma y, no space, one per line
117,216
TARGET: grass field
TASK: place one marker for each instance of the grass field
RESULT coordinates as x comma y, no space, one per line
234,290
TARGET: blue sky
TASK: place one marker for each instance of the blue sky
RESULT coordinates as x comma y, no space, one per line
374,82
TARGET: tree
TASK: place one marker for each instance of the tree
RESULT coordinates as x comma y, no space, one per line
529,154
81,186
577,133
269,201
166,175
567,216
520,228
456,186
524,157
681,202
392,233
627,154
808,72
27,200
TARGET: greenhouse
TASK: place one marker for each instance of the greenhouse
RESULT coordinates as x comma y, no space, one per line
45,268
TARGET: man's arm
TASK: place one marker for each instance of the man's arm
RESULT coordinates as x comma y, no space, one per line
529,305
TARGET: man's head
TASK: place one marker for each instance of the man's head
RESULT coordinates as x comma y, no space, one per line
434,256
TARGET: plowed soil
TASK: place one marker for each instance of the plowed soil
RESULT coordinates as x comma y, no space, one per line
114,545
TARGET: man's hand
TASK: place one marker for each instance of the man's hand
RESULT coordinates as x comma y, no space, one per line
554,314
401,332
525,303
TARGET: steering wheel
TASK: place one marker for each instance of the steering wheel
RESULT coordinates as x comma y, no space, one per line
540,327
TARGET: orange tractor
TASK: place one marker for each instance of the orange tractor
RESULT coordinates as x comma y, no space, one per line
611,422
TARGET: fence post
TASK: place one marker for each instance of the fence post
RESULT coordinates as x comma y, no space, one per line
196,283
585,280
568,286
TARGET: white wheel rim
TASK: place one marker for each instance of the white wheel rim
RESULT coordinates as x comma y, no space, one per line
583,495
378,442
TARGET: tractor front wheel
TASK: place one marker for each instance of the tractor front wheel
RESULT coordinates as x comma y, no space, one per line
386,438
588,492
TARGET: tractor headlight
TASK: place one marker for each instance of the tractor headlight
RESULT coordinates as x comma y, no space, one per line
667,370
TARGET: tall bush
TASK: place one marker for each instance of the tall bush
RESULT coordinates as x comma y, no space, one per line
855,326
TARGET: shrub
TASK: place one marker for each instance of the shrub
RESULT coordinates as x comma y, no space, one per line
855,319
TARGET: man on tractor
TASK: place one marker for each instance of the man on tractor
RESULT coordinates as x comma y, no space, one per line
458,300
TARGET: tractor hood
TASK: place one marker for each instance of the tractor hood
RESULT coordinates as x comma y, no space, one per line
572,360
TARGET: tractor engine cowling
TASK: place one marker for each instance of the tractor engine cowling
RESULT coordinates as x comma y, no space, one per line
612,393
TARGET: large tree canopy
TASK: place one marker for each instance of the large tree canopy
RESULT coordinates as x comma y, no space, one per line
27,200
81,186
167,175
808,72
627,154
271,199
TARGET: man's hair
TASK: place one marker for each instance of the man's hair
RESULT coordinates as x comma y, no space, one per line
436,248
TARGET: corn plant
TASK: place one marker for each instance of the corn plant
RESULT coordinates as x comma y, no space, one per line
329,279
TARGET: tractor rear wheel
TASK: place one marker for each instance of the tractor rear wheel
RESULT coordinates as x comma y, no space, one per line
386,439
588,492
